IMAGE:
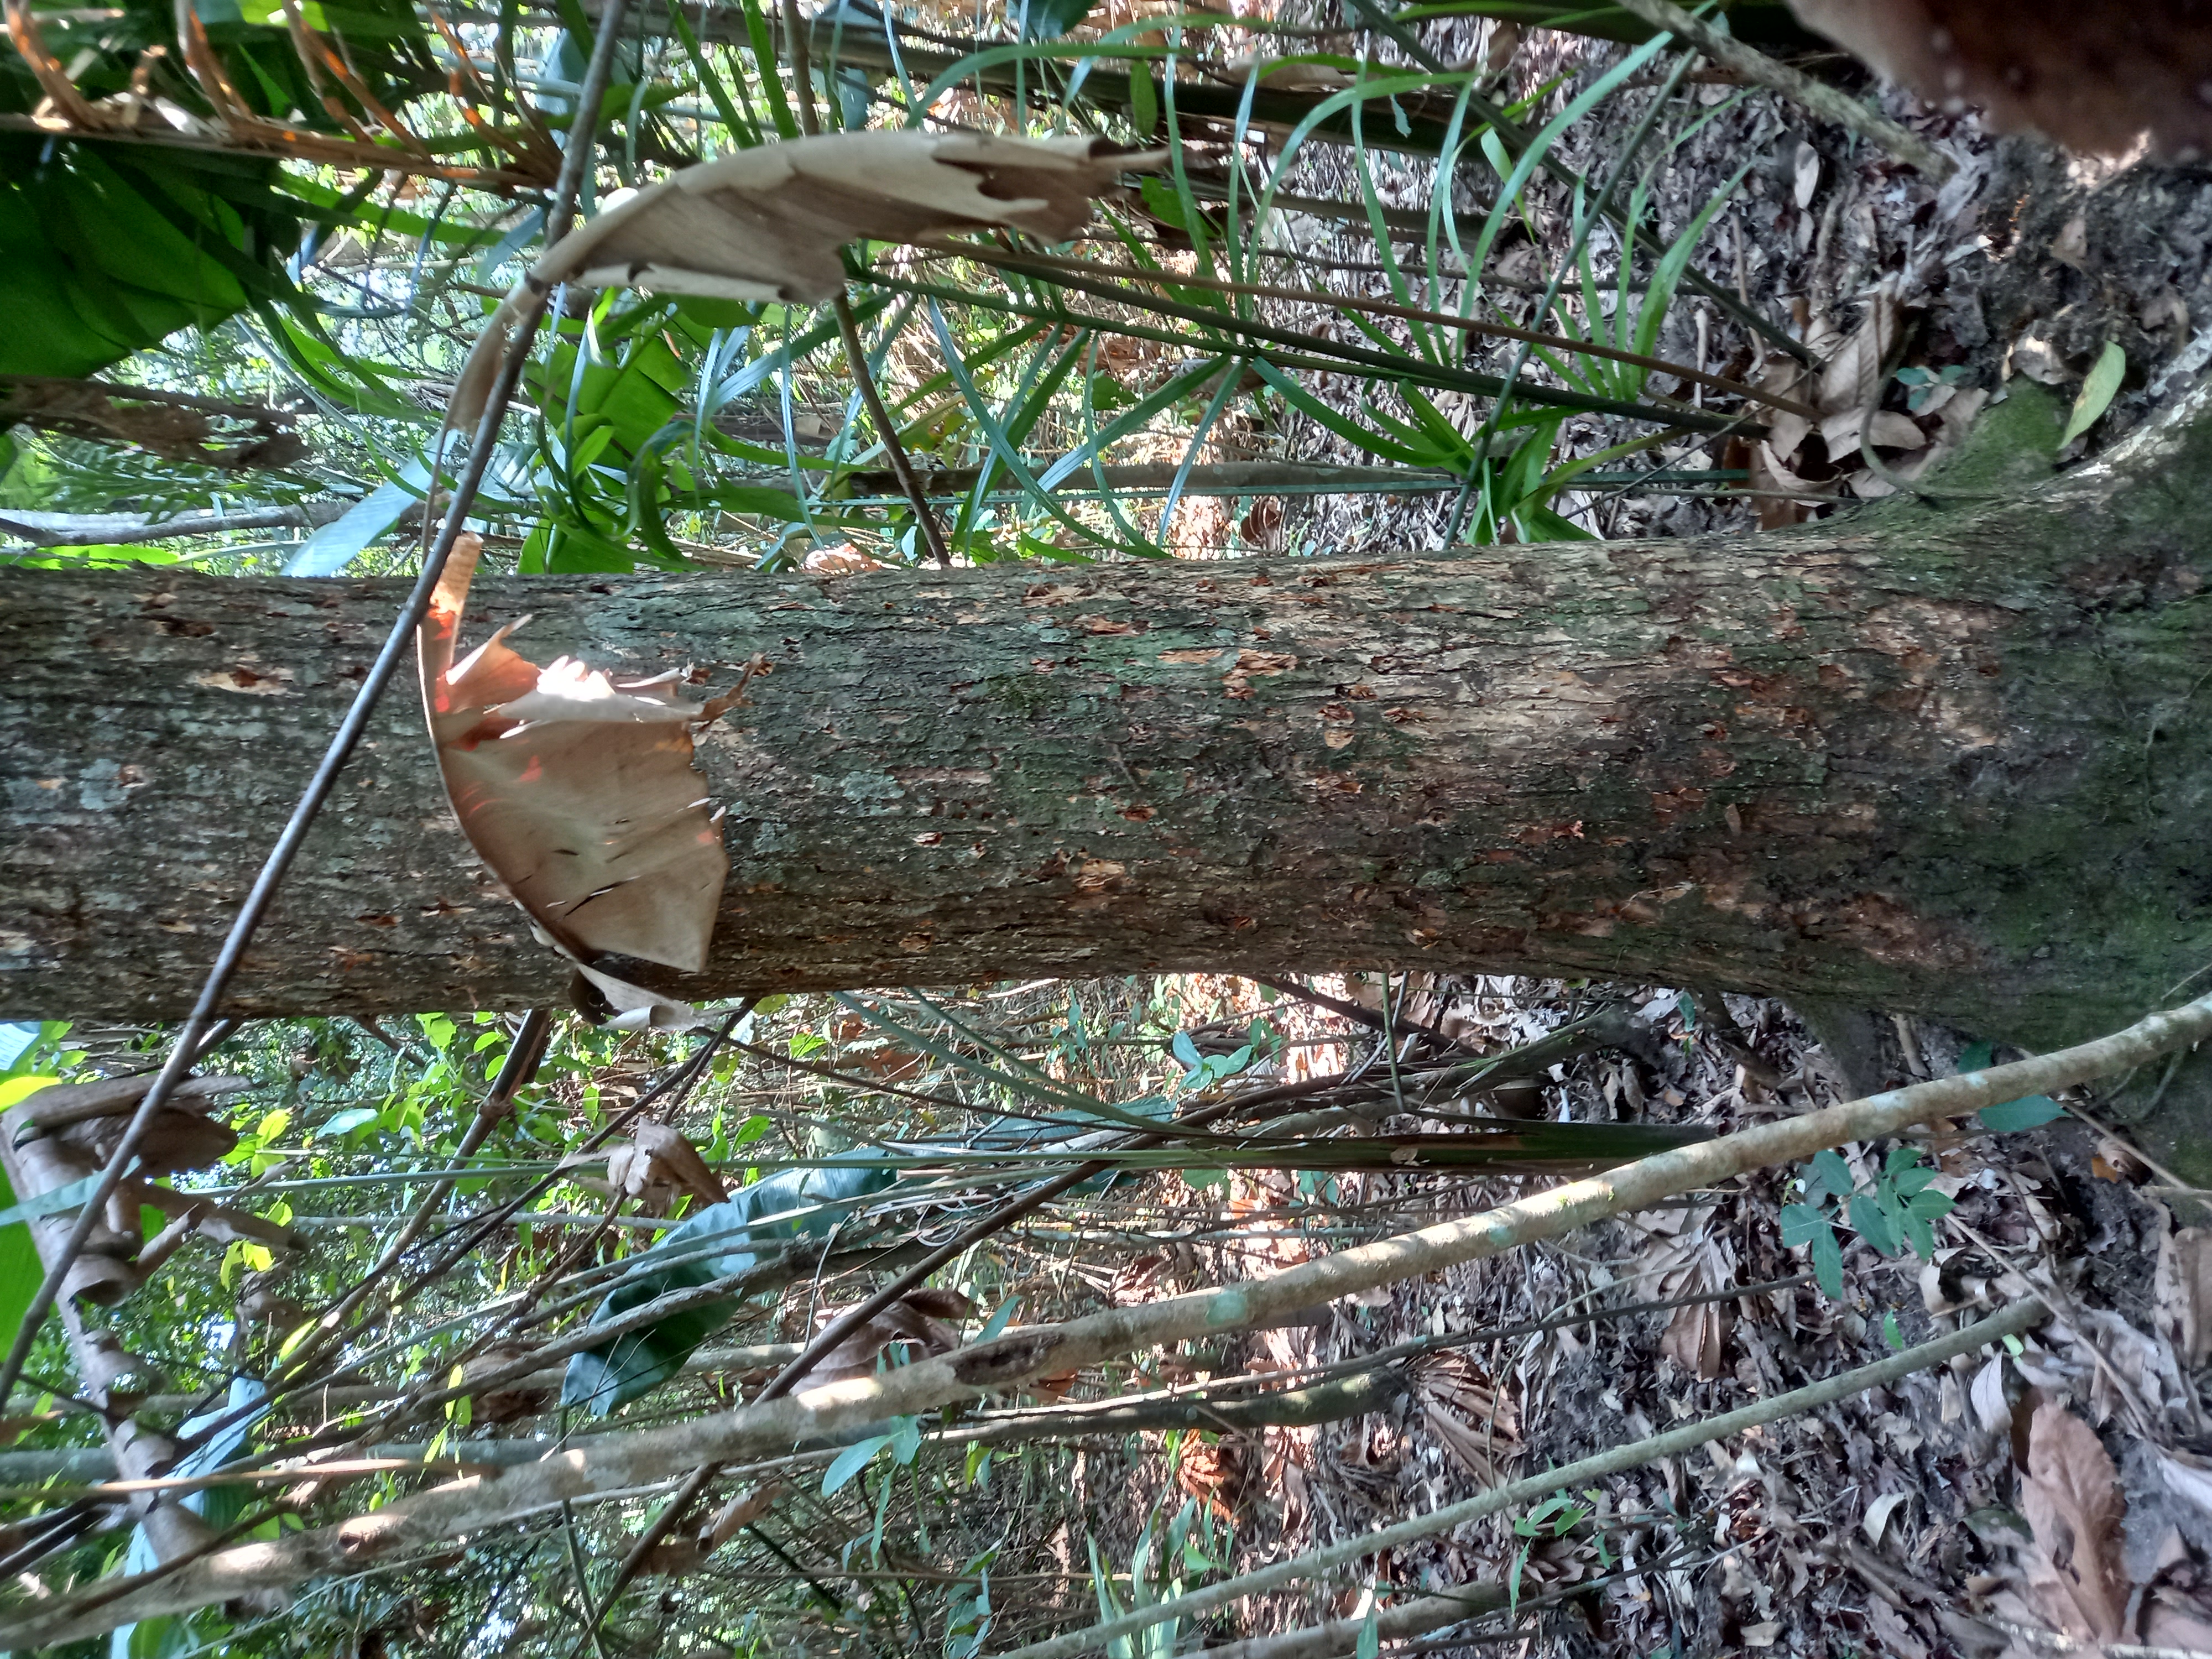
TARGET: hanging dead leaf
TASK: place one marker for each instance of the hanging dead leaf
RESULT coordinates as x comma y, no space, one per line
2098,77
657,1166
766,223
916,1319
2071,1499
580,795
521,1396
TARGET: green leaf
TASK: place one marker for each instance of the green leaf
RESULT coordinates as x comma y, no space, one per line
851,1461
1873,1223
1828,1263
20,1270
1830,1175
51,1203
1047,20
2026,1113
2099,388
1370,1632
1929,1205
906,1440
345,1122
1799,1222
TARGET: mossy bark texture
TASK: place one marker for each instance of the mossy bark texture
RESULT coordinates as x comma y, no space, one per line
1952,757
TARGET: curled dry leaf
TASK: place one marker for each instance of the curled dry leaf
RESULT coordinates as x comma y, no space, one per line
766,223
1692,1262
2094,74
1278,76
916,1319
518,1397
1473,1420
842,560
579,793
657,1166
678,1556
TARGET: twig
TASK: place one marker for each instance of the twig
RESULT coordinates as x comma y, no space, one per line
2056,1643
910,483
671,1515
1817,96
1354,1011
1047,265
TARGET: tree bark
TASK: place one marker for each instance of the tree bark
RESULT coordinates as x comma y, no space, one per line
1935,757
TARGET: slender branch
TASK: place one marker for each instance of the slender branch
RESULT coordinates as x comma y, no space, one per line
1817,96
848,326
768,1429
1047,266
856,353
101,529
144,394
672,1513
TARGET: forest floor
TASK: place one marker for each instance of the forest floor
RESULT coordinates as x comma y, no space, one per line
2064,1489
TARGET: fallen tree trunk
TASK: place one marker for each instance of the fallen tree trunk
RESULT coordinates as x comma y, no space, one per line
1939,757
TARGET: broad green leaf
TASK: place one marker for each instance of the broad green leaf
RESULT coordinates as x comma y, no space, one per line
20,1269
1873,1223
15,1091
1799,1222
345,1122
2026,1113
1828,1263
51,1203
1830,1175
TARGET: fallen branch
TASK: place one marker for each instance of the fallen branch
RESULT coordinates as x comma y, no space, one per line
928,1385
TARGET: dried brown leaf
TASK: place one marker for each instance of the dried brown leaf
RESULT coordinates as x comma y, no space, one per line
766,223
579,793
2070,1496
1851,379
910,1320
1476,1423
660,1164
